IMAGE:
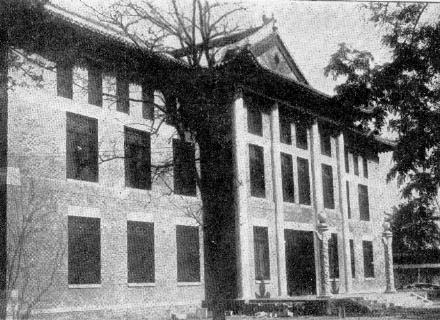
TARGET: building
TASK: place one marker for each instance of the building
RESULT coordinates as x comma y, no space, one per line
106,197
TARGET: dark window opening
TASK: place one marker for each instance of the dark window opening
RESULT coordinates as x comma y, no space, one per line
261,253
301,136
82,148
84,249
326,142
364,210
65,81
333,256
347,160
287,178
303,181
137,159
352,260
367,248
122,94
285,131
140,252
147,102
365,167
185,182
188,254
95,86
347,186
256,166
356,164
255,121
327,186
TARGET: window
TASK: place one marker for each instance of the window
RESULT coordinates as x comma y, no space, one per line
367,248
347,161
65,81
261,253
256,165
184,168
84,250
356,164
140,252
287,178
347,187
365,167
333,256
122,94
188,254
352,261
255,121
137,159
285,131
364,210
303,181
95,86
82,148
326,143
147,102
327,186
301,136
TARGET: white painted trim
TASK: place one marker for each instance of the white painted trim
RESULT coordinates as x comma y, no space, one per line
82,182
185,221
140,216
85,286
142,284
417,266
189,284
89,212
300,226
367,237
260,222
13,176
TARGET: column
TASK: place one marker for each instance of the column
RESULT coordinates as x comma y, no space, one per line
278,200
323,235
241,194
343,211
387,238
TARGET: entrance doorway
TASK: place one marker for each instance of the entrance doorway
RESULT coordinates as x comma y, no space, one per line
300,262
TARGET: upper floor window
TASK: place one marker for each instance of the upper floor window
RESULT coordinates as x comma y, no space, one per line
255,121
301,136
365,166
356,164
303,181
122,93
65,80
82,147
137,159
326,143
327,186
140,252
256,168
346,160
147,102
287,178
188,254
285,130
84,250
347,187
185,182
95,86
261,253
367,248
364,210
352,259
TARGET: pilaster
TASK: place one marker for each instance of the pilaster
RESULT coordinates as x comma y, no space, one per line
241,203
278,200
387,238
323,235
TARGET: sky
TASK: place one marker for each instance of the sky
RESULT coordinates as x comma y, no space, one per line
311,30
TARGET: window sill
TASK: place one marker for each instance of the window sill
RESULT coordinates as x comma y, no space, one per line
188,284
369,278
85,286
141,284
77,181
264,281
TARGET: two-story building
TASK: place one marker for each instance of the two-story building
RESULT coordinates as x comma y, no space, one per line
104,214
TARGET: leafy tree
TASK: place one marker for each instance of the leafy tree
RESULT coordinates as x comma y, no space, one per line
403,94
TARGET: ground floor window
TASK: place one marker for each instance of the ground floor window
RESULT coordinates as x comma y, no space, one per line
140,252
188,254
352,259
261,253
333,256
367,248
84,250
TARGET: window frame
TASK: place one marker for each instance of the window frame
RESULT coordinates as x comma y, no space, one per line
333,256
328,191
368,256
184,170
257,176
287,177
364,202
134,254
139,140
261,253
304,186
255,120
184,252
301,131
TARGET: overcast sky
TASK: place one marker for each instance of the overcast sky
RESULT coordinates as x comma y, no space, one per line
311,30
